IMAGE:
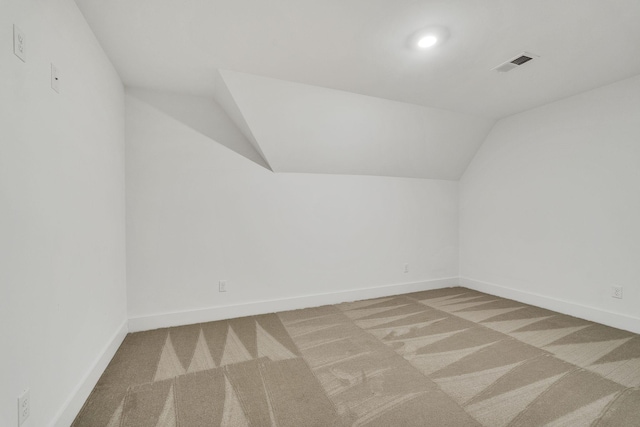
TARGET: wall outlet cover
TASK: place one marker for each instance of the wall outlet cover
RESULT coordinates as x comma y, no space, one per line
24,406
19,43
616,292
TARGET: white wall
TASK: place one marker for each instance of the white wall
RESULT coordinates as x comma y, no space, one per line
62,220
551,205
198,213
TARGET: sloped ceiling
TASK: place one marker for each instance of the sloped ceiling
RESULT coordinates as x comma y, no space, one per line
324,52
204,115
303,128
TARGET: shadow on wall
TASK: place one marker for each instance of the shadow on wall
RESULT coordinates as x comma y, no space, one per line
207,117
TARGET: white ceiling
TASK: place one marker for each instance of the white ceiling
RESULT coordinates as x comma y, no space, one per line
360,46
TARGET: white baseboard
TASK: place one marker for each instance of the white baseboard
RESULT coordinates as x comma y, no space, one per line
593,314
164,320
74,404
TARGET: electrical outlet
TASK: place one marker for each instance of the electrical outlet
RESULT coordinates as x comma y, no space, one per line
24,407
19,43
55,78
222,286
406,268
616,292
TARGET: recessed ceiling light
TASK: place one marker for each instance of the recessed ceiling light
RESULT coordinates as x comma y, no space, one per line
428,37
427,41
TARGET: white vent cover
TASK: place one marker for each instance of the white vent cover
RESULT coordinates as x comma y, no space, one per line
515,62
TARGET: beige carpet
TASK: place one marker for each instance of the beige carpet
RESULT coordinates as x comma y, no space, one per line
449,357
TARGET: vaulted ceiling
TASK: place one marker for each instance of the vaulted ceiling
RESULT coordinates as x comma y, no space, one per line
333,86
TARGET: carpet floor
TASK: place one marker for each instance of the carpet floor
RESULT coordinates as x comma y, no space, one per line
448,357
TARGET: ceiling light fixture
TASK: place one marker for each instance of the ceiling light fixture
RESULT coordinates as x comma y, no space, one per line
427,41
428,37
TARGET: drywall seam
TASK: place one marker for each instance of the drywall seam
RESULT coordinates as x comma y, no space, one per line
79,396
163,320
593,314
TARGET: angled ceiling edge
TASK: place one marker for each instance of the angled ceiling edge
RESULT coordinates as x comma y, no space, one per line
223,95
203,115
311,129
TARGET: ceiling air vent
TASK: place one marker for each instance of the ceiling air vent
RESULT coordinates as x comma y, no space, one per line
523,58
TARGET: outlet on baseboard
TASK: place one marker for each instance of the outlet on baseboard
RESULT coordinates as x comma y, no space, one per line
222,286
616,292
